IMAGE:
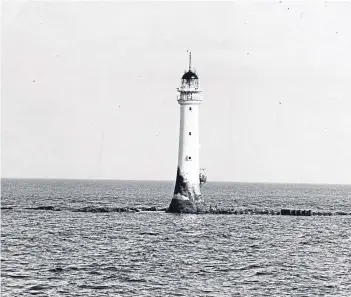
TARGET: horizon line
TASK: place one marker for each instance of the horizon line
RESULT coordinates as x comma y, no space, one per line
168,180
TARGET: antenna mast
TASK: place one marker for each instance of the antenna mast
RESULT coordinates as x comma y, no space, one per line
190,61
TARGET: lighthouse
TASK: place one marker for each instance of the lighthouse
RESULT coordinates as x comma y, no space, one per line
187,196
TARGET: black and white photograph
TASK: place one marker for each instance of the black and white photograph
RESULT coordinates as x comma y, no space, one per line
175,148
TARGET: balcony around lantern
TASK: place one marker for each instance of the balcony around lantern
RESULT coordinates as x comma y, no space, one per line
189,97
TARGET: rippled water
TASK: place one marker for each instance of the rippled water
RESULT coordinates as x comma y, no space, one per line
65,253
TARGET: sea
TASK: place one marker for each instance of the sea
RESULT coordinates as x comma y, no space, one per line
72,253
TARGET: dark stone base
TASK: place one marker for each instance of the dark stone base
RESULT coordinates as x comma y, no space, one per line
194,203
183,206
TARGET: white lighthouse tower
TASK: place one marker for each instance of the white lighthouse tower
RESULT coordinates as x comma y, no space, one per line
187,194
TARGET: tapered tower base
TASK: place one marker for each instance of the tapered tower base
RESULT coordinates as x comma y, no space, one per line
187,196
182,206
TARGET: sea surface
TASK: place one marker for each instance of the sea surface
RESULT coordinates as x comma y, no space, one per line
68,253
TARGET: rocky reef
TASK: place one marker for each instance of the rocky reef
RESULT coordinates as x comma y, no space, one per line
198,210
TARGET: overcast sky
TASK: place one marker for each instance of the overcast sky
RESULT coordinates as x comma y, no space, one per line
89,89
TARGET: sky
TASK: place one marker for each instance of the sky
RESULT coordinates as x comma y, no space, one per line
88,89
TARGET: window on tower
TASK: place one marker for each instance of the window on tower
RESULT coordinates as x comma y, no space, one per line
189,108
189,133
